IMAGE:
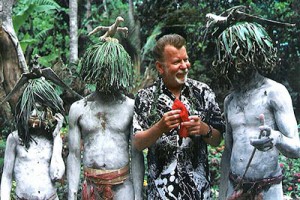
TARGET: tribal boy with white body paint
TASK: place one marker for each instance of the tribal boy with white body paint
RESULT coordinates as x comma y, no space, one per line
260,121
103,121
33,154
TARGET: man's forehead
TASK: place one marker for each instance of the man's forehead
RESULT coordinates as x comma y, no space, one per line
169,49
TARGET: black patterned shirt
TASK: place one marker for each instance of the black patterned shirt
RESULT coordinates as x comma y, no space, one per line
177,167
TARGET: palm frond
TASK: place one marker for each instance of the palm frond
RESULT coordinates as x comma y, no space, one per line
109,66
44,34
248,42
151,40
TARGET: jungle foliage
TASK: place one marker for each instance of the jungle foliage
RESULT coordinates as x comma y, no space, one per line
42,27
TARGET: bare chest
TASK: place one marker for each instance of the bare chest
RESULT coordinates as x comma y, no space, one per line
244,109
103,119
40,150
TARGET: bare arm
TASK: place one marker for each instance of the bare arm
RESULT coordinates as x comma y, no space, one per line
9,161
73,163
226,157
144,139
288,141
137,171
215,138
280,127
57,166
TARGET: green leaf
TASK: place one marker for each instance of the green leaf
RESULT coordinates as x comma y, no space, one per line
109,65
27,40
258,35
45,8
225,43
150,43
22,16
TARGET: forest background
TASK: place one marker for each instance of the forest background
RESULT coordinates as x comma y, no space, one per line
57,30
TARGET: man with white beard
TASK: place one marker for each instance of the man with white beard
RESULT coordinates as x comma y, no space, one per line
175,119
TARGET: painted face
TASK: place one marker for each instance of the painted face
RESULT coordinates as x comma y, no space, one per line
174,68
38,111
40,116
240,72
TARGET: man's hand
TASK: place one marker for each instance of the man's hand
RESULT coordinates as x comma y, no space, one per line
267,139
170,120
193,125
263,144
144,139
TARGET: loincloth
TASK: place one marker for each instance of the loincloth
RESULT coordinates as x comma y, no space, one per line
100,182
52,197
251,189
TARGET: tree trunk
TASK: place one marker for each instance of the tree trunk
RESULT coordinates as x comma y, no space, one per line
12,63
134,28
73,5
105,13
88,14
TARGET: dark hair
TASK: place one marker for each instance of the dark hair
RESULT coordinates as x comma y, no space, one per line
37,91
171,39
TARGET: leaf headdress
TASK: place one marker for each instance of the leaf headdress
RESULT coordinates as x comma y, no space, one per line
37,91
241,41
109,66
107,63
244,44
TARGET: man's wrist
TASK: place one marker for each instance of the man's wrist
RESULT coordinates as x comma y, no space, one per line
209,132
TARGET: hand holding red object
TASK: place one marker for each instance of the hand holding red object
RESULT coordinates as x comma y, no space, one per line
184,116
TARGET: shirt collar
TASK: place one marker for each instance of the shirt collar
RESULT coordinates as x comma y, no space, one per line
164,90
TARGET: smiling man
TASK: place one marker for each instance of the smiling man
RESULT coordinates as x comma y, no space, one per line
177,163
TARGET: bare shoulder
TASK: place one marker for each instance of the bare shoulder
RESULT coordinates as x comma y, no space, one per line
278,95
274,84
77,106
129,102
275,88
127,106
76,110
13,138
228,98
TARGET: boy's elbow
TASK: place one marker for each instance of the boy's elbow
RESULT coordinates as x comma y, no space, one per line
57,175
57,171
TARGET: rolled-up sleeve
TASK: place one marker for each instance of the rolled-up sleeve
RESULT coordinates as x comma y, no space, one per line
215,118
141,110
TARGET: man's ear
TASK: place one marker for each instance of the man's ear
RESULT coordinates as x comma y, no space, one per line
159,67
